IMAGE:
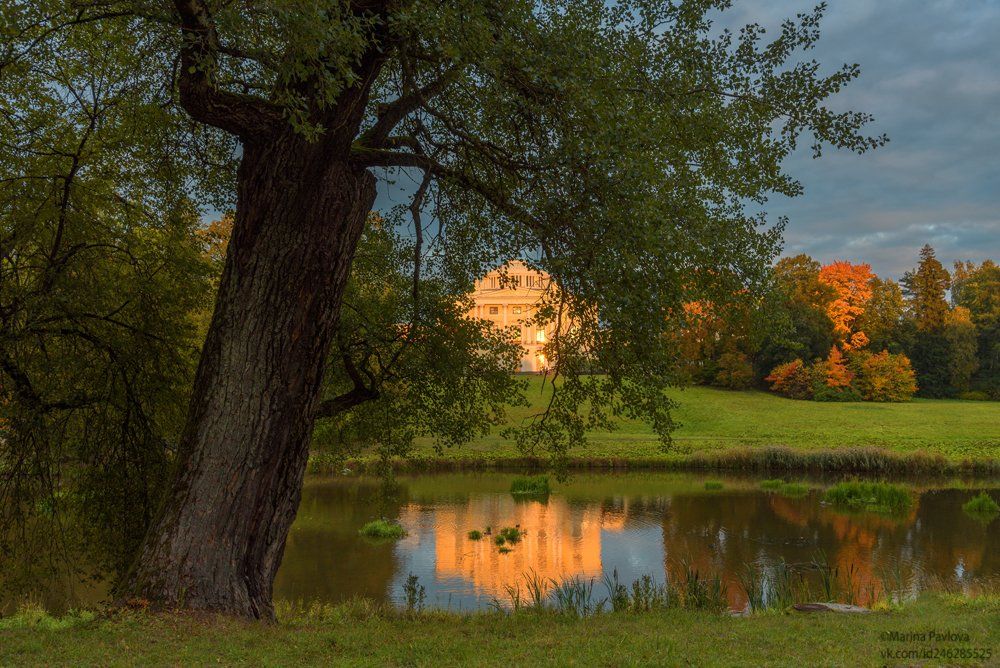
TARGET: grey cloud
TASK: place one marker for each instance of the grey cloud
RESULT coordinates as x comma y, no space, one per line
930,77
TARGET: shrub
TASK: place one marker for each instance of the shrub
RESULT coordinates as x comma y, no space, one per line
876,496
823,392
793,380
383,528
884,376
832,380
973,395
734,371
530,486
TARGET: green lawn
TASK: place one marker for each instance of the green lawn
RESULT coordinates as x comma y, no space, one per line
714,420
342,636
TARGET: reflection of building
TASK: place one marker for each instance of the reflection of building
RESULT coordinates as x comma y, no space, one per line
509,297
560,540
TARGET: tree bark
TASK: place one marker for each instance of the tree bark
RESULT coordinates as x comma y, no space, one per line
218,541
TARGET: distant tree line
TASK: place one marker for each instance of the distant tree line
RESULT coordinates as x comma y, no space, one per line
840,332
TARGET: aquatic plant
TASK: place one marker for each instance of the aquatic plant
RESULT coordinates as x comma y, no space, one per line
645,594
701,593
793,489
713,485
510,535
574,597
530,486
475,534
617,592
383,529
414,594
537,588
874,496
982,507
772,484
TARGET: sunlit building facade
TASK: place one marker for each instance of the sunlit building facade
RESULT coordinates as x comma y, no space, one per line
509,297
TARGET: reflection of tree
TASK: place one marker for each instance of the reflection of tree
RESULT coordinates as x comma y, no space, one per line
948,540
325,559
724,532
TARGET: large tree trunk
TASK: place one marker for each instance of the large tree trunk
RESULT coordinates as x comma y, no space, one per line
219,539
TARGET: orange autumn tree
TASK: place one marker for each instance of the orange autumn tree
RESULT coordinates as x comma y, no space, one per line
837,373
852,285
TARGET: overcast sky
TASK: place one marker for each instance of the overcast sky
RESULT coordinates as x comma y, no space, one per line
930,73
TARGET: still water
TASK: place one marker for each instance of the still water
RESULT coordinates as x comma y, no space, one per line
594,524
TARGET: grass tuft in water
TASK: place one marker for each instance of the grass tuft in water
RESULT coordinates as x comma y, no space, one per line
713,485
878,497
530,486
793,489
773,484
510,535
475,534
383,529
982,507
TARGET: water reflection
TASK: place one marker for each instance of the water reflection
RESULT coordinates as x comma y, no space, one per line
635,524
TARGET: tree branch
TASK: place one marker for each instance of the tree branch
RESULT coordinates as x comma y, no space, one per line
394,112
344,402
242,115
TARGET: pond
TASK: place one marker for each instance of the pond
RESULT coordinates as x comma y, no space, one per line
635,524
595,524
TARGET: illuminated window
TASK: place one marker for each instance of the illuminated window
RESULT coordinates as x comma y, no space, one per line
540,336
494,310
517,310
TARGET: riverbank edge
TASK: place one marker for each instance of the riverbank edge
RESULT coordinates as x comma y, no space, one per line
764,460
364,633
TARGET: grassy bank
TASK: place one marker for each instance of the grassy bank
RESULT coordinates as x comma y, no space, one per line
754,430
362,634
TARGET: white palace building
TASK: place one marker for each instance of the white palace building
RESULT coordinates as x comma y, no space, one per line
511,301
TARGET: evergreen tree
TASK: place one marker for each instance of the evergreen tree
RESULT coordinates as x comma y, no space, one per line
927,309
925,289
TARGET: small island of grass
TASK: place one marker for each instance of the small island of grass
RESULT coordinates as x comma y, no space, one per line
530,486
877,497
383,529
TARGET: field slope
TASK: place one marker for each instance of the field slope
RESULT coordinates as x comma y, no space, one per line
713,421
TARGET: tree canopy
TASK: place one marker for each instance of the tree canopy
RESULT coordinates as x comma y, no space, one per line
623,147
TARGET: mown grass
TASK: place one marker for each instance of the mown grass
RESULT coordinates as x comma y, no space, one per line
752,430
363,633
